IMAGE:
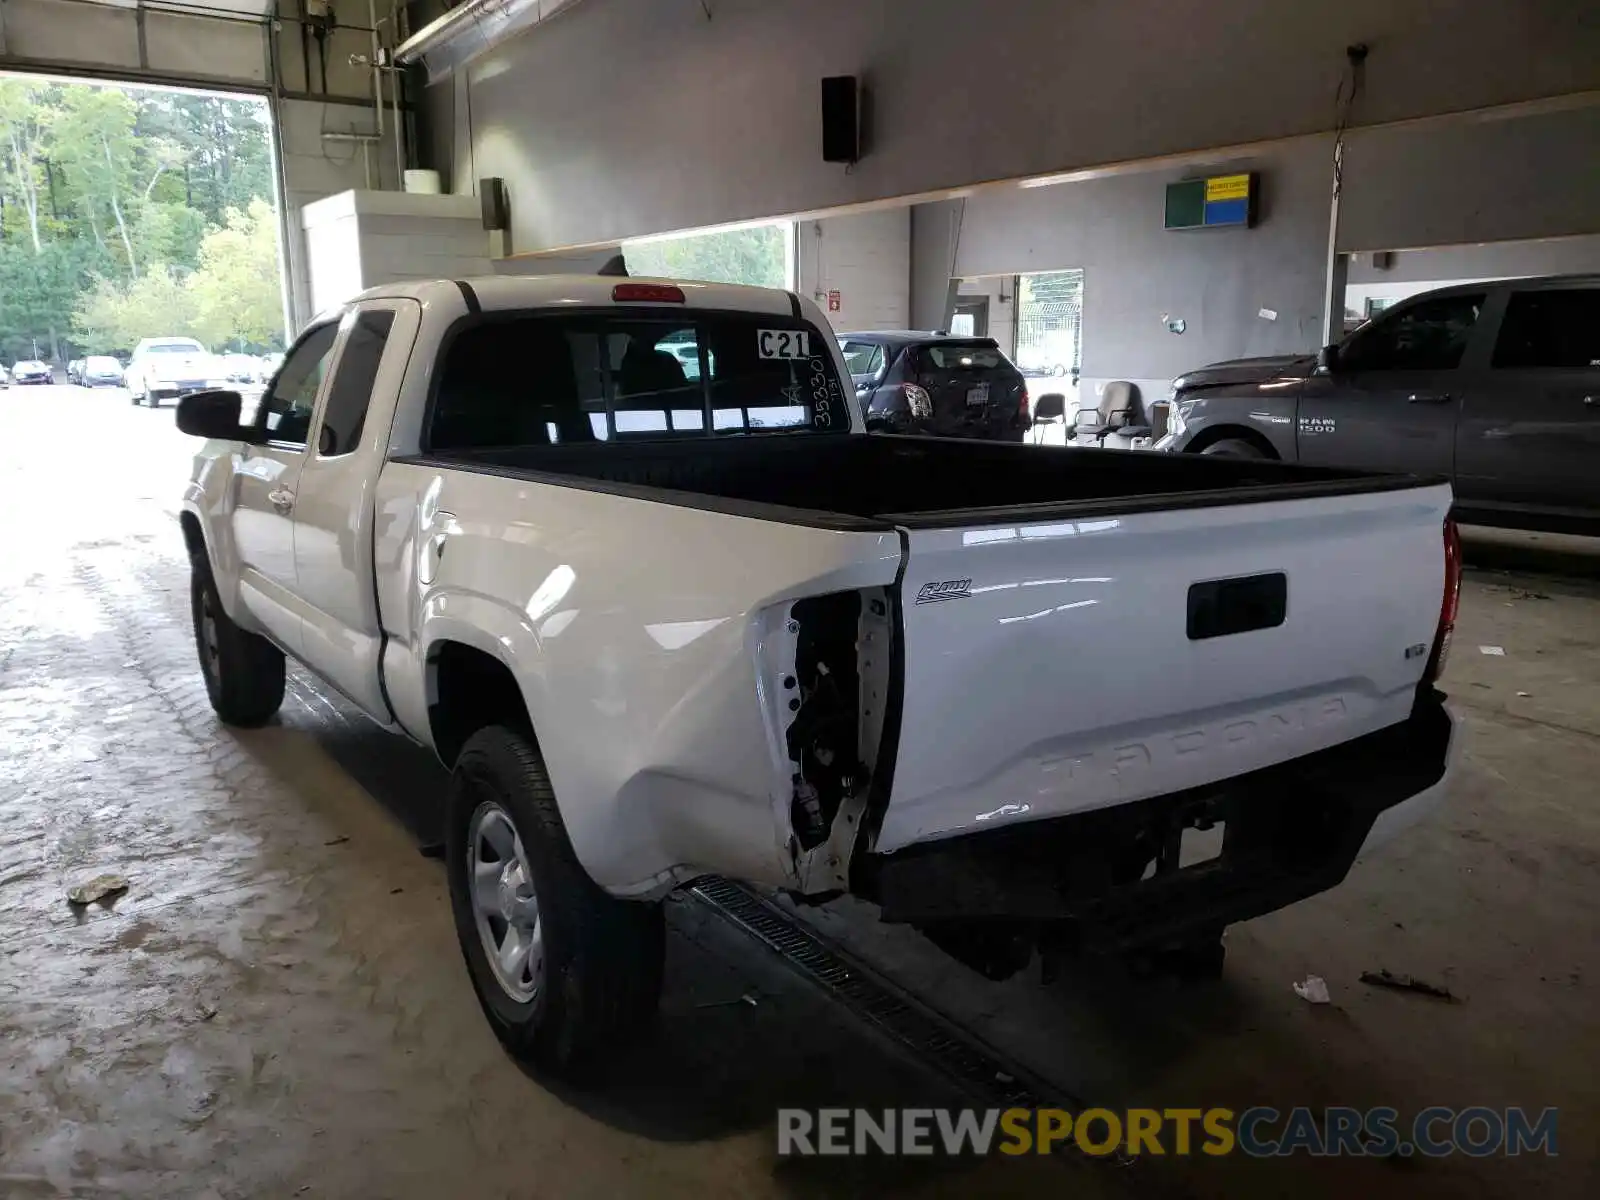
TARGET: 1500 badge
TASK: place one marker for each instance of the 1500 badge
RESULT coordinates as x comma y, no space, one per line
1318,425
946,589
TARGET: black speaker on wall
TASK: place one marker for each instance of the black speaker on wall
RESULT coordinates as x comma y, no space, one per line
841,119
496,203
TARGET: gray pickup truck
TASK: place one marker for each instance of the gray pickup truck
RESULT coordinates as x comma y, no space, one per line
1495,385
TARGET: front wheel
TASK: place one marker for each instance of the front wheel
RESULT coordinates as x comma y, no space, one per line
244,672
562,970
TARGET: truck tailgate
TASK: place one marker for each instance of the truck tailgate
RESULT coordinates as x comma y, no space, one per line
1065,665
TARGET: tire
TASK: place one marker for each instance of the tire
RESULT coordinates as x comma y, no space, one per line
593,976
1234,448
244,672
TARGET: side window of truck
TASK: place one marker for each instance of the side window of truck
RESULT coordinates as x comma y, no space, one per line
351,391
1430,336
1558,329
285,413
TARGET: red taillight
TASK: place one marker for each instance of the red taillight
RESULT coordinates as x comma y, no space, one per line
1450,605
1024,405
648,293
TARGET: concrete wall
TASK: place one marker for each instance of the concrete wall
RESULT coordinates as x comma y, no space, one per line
315,168
866,258
1413,271
629,117
1534,176
1137,274
1001,292
935,234
1496,260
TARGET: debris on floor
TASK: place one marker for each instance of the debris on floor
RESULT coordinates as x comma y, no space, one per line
747,998
1314,990
101,887
1495,651
338,841
1385,978
1524,594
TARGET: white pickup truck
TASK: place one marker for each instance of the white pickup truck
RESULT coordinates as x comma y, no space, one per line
663,623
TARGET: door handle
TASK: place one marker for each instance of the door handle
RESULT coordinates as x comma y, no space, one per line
281,499
1429,398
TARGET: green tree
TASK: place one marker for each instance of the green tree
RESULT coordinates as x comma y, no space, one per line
115,314
91,135
237,287
37,290
754,256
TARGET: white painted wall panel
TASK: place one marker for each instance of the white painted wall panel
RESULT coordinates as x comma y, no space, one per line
181,44
631,117
866,258
47,29
1136,272
1473,181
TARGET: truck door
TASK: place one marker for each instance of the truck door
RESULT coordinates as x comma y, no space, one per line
1392,399
1530,428
333,514
268,476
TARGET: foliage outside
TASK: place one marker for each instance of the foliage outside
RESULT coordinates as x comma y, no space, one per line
127,213
755,256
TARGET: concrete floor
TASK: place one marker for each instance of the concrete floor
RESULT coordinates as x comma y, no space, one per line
277,1007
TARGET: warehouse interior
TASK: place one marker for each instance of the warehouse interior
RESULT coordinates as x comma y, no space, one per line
1115,194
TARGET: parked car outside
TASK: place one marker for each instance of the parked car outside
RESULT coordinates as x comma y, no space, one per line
5,377
75,370
100,370
931,383
1493,385
241,368
31,370
169,368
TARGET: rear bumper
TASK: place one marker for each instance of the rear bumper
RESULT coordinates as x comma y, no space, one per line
1290,832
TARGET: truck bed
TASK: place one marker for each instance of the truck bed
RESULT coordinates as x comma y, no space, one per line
916,482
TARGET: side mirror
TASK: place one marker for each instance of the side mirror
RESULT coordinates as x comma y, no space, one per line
211,415
1328,360
1052,406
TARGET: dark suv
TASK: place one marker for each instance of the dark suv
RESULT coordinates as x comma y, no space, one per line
1495,386
935,384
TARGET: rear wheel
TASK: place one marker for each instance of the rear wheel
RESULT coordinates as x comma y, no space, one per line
244,673
563,970
1234,448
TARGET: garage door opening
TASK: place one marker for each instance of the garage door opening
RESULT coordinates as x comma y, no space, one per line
758,255
1050,323
129,213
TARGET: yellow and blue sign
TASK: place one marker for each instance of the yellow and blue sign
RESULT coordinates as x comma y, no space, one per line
1218,202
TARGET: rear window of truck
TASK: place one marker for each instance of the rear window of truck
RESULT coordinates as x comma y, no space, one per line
538,379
